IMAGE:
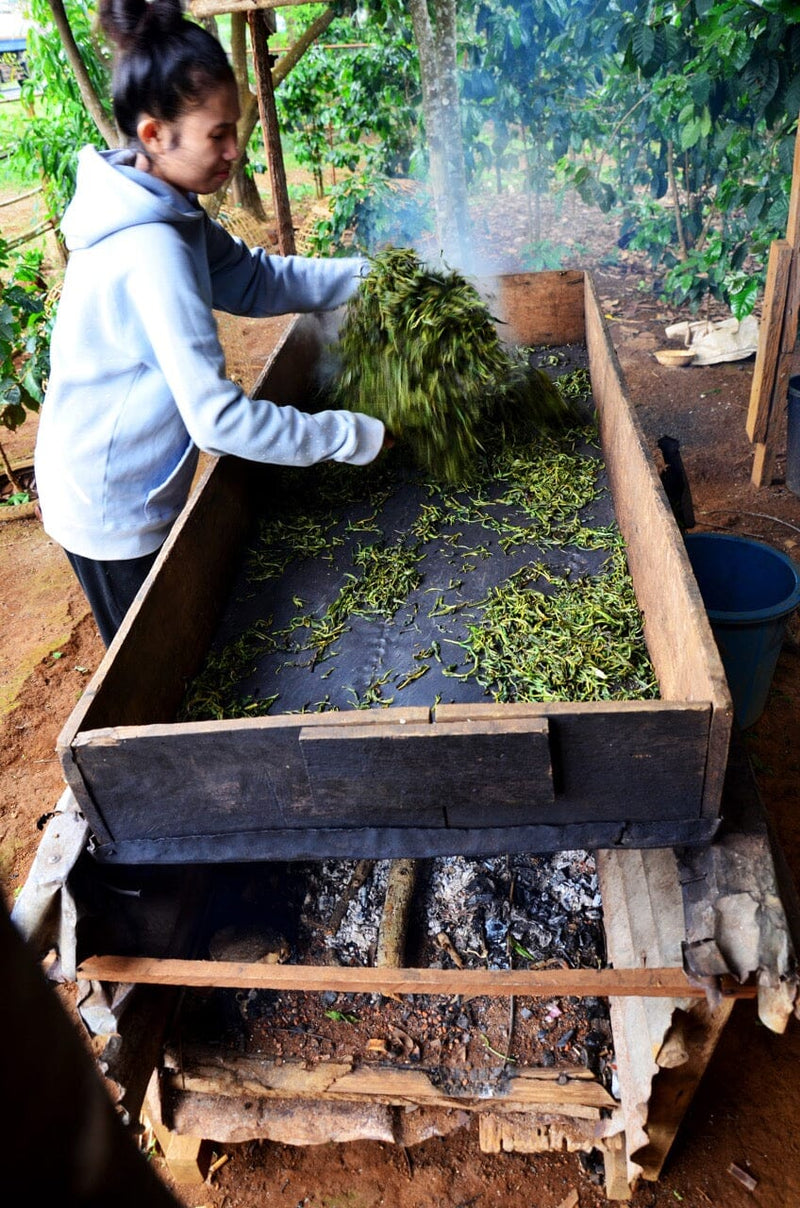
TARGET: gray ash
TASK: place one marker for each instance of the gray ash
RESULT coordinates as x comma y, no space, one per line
519,911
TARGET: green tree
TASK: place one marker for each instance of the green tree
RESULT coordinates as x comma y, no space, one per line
26,314
56,98
694,124
353,101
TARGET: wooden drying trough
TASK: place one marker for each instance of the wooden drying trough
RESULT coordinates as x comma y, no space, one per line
519,777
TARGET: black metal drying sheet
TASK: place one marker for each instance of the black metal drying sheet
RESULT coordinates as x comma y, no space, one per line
371,661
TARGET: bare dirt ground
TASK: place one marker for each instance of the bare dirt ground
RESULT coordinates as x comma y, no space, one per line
748,1105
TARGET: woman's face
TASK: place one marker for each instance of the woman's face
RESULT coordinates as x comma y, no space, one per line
196,152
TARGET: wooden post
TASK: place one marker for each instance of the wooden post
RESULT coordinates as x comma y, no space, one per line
262,60
769,346
768,400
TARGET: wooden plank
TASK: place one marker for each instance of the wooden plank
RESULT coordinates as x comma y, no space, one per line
615,1169
206,1069
766,449
793,219
494,983
538,308
643,921
187,1158
520,1132
767,445
248,777
766,366
676,626
655,749
215,8
502,766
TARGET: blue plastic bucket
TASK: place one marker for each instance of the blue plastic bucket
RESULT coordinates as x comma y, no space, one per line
749,590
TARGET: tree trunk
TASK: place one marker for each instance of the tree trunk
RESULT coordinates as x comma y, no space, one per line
436,47
272,138
90,98
249,102
244,188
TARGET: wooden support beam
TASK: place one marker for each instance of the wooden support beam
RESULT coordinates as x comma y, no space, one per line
495,983
187,1158
206,1069
769,346
615,1168
262,62
215,8
767,417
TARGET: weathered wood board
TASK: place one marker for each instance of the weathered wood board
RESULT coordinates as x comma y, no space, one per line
464,779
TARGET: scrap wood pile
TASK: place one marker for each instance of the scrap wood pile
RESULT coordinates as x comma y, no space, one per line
420,350
522,911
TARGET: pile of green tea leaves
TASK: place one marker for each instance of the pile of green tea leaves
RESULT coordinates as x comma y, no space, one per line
376,586
419,349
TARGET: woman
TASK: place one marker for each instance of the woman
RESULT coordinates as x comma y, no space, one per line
138,382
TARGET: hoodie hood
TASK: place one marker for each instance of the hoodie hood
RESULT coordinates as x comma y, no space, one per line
112,195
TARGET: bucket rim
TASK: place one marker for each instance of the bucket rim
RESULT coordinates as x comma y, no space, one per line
775,612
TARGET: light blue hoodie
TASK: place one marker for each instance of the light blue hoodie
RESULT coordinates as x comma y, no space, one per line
138,382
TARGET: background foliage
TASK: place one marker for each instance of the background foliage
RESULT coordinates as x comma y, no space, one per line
680,117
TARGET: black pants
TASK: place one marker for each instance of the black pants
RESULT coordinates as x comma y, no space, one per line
110,587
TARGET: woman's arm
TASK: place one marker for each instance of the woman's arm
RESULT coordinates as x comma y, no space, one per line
248,281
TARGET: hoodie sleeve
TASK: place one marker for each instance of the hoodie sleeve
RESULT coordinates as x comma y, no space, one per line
248,281
219,417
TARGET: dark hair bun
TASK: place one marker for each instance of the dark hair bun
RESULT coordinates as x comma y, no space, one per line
136,24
